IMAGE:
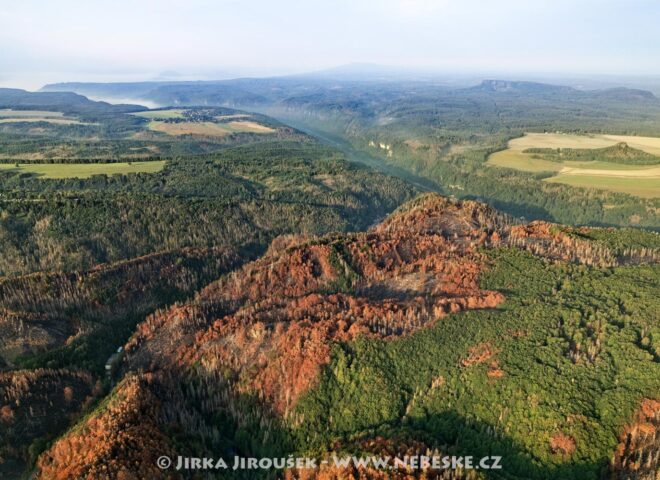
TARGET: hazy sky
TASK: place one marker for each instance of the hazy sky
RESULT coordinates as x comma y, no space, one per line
58,40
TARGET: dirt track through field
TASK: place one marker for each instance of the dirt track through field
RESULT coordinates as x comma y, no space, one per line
645,173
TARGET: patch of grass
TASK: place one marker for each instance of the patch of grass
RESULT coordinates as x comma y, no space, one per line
249,126
174,113
529,162
518,160
232,116
563,140
84,170
190,128
8,112
57,121
16,116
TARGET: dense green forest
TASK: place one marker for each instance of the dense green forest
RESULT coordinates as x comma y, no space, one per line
620,153
243,196
576,347
238,190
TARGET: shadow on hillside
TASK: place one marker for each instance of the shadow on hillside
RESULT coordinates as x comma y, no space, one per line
455,435
520,211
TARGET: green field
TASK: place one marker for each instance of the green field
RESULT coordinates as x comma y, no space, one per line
84,170
58,121
174,113
13,116
8,112
638,180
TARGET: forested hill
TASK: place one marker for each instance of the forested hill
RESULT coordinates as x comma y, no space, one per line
242,196
60,101
535,88
263,92
86,257
446,329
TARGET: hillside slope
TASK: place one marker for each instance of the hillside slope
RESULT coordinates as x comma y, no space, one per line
447,328
241,197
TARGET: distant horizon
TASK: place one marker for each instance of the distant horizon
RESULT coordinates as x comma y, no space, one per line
45,42
353,72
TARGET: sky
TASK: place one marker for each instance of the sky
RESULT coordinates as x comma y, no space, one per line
45,41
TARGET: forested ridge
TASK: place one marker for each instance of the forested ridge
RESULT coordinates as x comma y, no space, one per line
448,328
